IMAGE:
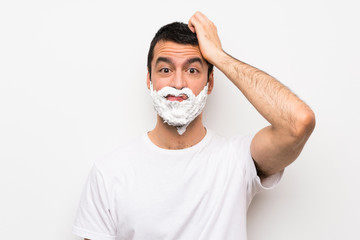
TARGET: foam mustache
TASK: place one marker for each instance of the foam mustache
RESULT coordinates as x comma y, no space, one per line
164,92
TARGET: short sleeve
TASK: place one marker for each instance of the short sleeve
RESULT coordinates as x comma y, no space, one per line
94,220
253,182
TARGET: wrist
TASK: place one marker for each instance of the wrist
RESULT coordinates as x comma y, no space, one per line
222,60
216,58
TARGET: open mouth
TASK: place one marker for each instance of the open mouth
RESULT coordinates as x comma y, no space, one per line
179,98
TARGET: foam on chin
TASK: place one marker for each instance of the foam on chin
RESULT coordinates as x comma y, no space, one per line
175,113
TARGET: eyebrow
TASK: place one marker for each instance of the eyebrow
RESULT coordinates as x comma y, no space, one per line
188,62
163,59
193,60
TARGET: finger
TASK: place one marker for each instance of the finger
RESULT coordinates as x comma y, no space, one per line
199,20
191,26
200,16
193,23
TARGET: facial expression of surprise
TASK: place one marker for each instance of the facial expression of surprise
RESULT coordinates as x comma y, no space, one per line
179,66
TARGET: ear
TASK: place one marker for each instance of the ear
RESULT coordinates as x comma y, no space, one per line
211,82
148,79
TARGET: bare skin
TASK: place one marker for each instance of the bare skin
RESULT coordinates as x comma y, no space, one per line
178,73
292,121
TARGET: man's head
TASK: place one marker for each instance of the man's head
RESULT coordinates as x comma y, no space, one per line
179,78
174,32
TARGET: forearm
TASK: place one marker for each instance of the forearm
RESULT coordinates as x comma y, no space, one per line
292,121
275,102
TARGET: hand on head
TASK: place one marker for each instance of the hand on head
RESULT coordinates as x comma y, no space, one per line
206,32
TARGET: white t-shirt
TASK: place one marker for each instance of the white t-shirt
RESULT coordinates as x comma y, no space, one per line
143,192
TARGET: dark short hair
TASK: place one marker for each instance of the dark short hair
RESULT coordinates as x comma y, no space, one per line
174,32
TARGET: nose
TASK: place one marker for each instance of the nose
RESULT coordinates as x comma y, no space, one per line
179,81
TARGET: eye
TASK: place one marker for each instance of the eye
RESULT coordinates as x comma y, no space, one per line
165,70
193,70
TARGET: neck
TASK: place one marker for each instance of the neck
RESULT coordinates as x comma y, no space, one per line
167,137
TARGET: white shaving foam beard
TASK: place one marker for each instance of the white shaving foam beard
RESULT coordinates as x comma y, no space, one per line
176,113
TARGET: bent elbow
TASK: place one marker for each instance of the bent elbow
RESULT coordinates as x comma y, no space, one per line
305,124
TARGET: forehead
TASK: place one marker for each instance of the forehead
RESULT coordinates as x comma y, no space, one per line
176,51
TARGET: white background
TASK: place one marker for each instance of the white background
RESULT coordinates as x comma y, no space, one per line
72,88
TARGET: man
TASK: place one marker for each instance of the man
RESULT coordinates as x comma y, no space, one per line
180,180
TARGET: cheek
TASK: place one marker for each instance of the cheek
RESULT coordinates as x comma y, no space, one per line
197,89
158,85
198,86
161,82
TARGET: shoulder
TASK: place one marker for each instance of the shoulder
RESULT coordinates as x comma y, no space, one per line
241,142
237,142
234,149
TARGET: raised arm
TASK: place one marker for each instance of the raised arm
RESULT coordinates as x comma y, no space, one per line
292,121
